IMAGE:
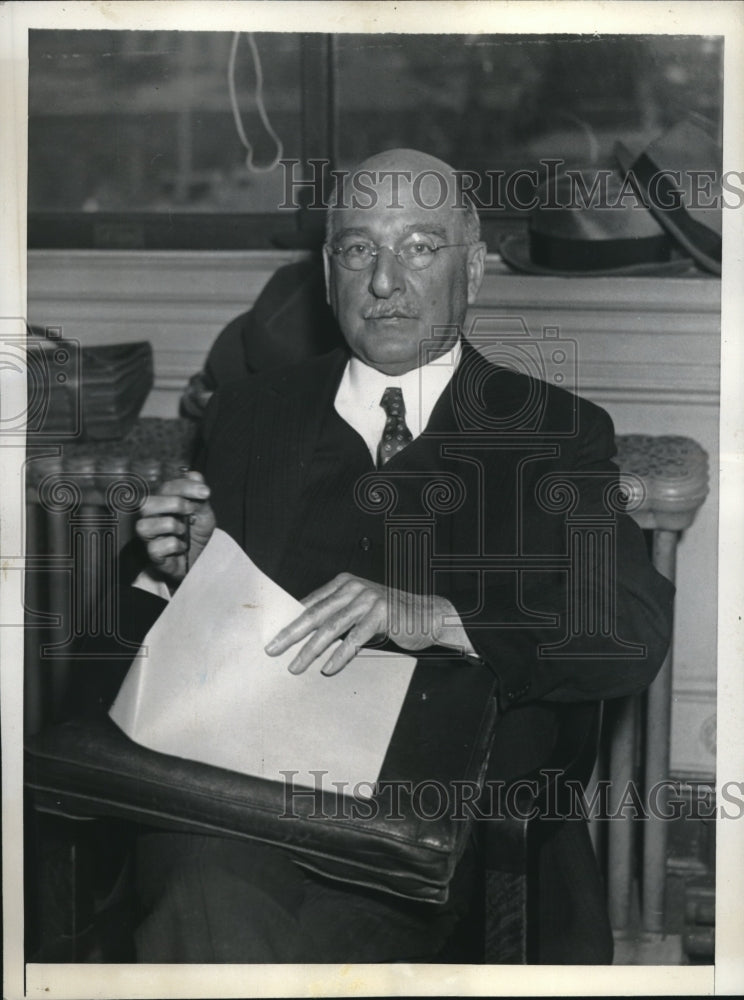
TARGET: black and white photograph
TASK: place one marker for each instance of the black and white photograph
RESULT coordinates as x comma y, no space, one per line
370,521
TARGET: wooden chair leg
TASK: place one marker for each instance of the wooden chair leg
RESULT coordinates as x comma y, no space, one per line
63,890
658,738
621,831
80,898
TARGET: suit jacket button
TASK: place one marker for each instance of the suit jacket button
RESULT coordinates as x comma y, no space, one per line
365,544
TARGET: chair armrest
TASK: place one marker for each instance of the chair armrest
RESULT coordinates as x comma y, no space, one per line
545,792
89,767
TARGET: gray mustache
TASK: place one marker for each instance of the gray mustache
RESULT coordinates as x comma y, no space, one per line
386,311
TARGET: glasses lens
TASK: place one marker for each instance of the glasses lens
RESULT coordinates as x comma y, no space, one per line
356,256
417,254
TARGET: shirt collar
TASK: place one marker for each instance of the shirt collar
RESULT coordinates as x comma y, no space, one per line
361,388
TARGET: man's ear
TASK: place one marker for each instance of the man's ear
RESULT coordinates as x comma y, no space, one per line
476,268
327,271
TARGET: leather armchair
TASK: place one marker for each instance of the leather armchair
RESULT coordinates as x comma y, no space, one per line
90,788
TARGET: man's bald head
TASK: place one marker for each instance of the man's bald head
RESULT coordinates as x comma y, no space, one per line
395,176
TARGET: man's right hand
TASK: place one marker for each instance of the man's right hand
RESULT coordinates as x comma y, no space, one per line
162,525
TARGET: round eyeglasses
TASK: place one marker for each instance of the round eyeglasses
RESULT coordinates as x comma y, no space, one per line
415,254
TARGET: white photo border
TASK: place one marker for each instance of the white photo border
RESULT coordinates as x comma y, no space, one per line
492,16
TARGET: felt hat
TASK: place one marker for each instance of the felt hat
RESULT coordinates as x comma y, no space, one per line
679,178
608,233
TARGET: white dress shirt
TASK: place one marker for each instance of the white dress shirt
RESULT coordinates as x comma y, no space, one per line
361,388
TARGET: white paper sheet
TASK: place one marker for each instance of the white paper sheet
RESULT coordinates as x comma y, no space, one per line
202,687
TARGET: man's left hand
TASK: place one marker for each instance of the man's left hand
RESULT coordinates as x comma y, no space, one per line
360,611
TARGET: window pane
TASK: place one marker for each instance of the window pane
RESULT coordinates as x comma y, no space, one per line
493,102
142,121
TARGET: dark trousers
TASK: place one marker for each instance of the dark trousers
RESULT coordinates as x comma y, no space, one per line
210,899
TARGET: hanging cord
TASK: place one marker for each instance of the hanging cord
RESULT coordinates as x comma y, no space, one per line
260,107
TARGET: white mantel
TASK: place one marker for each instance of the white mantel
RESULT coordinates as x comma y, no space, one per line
646,348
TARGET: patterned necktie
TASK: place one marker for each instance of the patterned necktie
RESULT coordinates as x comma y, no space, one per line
395,435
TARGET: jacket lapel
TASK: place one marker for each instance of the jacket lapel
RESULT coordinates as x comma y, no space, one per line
286,420
468,418
484,430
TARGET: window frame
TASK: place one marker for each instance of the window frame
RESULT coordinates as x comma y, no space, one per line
301,229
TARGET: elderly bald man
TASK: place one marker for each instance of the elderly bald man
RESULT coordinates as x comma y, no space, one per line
284,451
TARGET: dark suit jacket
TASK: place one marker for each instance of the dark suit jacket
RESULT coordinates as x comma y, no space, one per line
517,448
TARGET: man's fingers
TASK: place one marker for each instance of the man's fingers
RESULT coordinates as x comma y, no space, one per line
311,619
157,506
160,549
153,527
173,567
334,585
324,634
191,484
334,627
179,497
292,633
359,636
